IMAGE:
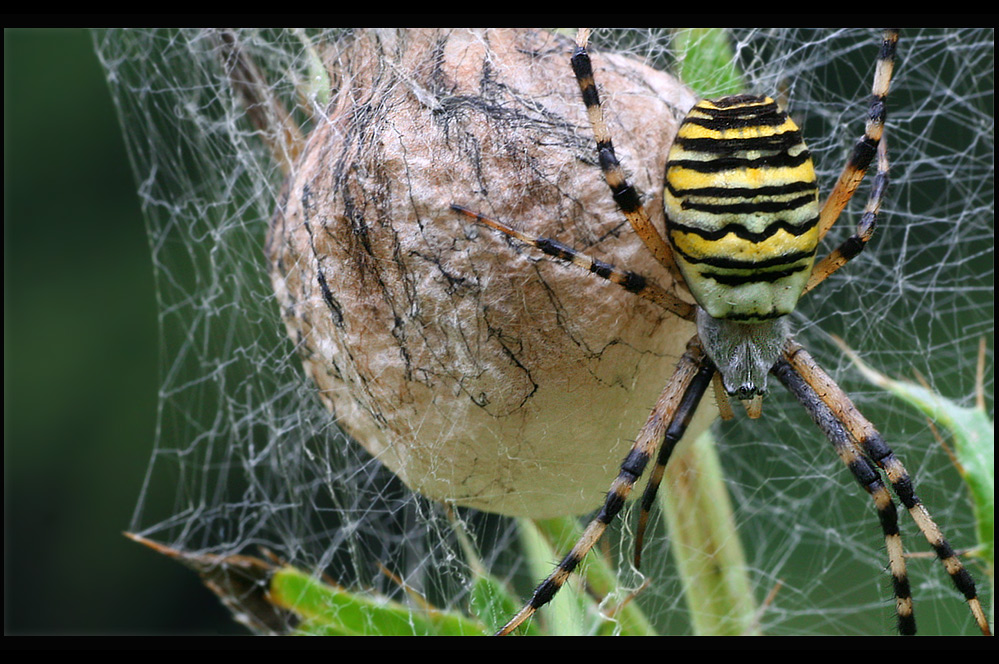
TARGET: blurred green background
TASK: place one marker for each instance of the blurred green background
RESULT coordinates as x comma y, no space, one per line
80,360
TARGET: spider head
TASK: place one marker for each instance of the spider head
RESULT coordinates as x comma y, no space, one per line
743,352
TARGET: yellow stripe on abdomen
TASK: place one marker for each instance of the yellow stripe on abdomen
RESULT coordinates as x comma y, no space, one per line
733,248
742,208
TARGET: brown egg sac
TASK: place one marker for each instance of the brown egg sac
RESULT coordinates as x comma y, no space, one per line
478,370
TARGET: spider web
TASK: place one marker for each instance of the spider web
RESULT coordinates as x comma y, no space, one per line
247,454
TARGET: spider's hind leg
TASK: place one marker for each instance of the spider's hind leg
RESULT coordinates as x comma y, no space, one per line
867,476
682,393
874,447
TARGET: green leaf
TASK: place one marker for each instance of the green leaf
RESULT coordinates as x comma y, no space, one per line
706,62
268,596
328,610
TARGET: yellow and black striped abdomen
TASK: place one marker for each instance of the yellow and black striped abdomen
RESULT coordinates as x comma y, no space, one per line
742,208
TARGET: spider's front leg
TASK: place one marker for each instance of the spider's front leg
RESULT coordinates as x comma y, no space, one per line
870,145
856,243
632,282
628,199
865,148
667,422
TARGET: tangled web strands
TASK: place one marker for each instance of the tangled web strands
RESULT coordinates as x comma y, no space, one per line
247,456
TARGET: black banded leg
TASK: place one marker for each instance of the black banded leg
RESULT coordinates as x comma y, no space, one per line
874,446
681,420
624,194
865,229
863,152
868,478
688,371
626,279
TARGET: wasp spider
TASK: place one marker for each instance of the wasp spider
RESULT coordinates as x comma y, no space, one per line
743,222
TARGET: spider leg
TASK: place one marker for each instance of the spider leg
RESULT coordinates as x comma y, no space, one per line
688,383
863,152
875,448
867,476
865,229
681,420
626,279
623,192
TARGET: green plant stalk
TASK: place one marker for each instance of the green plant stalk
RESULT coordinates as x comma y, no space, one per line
705,543
558,536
